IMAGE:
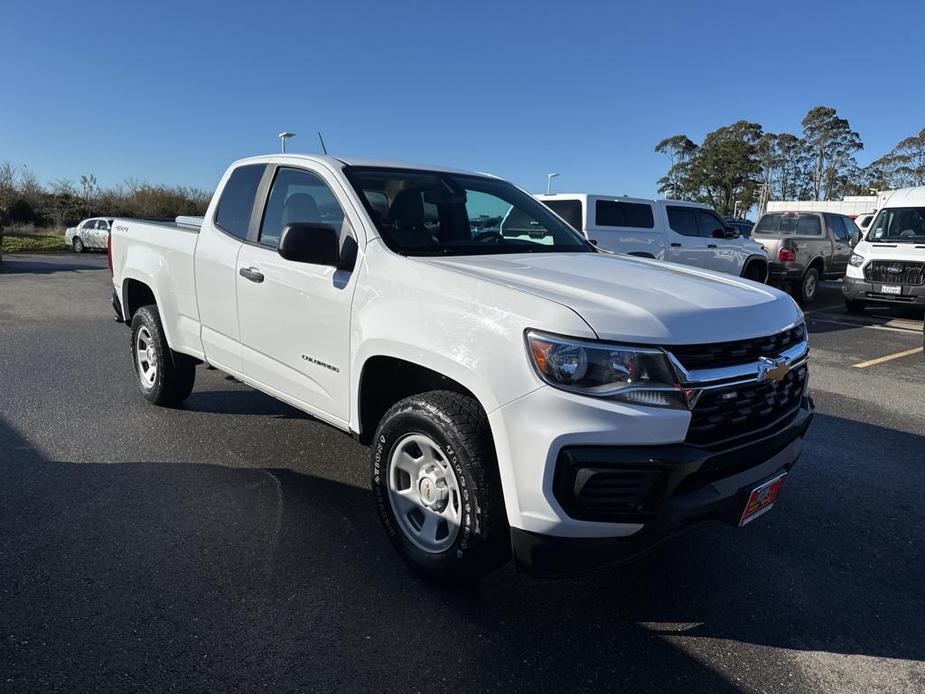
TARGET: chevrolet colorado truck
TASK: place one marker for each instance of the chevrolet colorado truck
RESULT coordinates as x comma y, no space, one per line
522,394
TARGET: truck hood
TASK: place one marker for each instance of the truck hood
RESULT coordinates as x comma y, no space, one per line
639,300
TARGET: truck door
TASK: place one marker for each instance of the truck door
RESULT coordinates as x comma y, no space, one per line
841,229
295,317
220,240
682,236
722,254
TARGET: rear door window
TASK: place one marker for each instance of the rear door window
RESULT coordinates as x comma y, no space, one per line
767,224
611,213
809,225
236,205
569,210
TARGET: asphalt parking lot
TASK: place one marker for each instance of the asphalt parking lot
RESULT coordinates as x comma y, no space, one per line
233,544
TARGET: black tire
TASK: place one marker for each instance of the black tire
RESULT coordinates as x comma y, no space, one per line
457,424
175,373
805,292
755,271
78,245
855,306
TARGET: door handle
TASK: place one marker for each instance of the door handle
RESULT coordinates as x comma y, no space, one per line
675,245
252,274
711,245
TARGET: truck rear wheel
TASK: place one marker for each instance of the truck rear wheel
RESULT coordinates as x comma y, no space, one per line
805,292
436,487
165,377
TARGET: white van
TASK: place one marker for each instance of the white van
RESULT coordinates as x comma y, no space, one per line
689,233
888,264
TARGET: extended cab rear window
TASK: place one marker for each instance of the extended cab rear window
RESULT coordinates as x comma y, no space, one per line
610,213
569,210
237,202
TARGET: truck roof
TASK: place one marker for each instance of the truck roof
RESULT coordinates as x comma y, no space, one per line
339,162
618,198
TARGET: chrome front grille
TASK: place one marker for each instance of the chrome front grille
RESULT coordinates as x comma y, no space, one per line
732,403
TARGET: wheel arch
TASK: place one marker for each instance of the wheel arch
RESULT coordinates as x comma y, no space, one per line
135,294
385,379
756,258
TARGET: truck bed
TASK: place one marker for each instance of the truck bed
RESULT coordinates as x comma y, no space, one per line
160,255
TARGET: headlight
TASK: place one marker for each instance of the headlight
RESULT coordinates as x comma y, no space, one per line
640,375
855,260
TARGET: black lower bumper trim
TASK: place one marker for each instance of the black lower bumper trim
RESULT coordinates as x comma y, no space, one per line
699,485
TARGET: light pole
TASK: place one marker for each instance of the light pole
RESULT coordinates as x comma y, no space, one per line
549,178
283,136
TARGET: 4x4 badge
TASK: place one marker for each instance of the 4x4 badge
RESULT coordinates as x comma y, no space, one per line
772,369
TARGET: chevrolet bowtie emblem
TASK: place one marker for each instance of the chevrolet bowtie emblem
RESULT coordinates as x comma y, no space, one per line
772,369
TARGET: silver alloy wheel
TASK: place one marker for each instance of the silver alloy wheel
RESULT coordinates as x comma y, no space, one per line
146,357
424,493
78,244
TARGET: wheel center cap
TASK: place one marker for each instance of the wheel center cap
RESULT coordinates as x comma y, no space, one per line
152,357
432,488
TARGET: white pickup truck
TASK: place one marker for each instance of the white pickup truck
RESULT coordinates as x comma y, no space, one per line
522,394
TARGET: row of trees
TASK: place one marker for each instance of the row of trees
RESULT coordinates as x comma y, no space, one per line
25,200
743,163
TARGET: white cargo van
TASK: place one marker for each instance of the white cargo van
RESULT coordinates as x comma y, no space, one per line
888,264
688,233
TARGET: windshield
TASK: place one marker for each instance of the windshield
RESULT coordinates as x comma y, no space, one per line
435,213
899,225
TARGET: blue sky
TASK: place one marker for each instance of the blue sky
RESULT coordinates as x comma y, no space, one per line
171,92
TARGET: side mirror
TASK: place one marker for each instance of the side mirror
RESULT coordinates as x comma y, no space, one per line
854,240
317,244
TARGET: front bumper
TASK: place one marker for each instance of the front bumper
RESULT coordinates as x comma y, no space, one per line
695,484
855,289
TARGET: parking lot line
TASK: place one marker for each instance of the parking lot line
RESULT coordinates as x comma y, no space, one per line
888,357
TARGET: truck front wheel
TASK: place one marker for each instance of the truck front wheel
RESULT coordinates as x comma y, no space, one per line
165,377
436,487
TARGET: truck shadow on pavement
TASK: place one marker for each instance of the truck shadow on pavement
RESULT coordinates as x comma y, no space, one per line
23,265
146,575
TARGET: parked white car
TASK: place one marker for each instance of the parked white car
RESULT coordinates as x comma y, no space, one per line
887,266
525,394
688,233
91,233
